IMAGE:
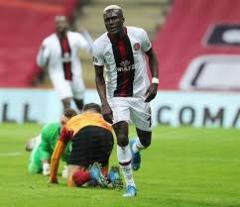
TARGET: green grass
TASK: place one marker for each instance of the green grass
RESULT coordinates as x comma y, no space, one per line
184,167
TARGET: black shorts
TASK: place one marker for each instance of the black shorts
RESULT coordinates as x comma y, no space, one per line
91,144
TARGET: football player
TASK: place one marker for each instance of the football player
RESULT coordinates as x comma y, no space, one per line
92,143
126,92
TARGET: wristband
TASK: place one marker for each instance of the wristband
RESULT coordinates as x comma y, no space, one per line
155,80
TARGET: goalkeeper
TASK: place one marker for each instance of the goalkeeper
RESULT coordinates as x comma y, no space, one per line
43,149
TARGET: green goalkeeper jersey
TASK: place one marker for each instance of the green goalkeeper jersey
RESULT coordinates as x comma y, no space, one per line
50,134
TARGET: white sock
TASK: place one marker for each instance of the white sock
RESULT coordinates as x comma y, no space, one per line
124,157
137,146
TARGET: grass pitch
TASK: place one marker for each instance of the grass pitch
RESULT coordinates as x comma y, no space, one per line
184,167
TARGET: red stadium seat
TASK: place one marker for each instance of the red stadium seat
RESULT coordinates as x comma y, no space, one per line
24,24
197,28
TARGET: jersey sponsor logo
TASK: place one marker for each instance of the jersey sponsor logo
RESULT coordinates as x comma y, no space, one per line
136,46
125,65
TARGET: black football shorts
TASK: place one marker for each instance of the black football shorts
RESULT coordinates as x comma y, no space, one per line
91,144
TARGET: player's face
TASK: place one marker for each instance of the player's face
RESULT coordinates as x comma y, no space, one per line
61,24
113,20
63,121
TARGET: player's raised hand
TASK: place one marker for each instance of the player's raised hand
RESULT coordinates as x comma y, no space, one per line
107,113
151,92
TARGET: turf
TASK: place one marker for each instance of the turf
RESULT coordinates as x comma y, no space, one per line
184,167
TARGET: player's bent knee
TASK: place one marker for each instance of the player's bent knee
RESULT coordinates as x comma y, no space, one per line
146,142
122,140
80,177
78,181
33,169
145,137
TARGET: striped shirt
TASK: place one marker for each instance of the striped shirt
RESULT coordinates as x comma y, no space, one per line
124,61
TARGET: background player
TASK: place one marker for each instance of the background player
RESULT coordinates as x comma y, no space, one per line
59,53
127,92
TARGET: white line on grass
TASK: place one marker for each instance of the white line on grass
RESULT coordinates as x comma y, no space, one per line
10,154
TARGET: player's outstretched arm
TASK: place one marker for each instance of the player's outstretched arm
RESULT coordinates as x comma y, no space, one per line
153,65
57,153
101,88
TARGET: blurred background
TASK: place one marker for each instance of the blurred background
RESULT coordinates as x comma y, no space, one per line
196,41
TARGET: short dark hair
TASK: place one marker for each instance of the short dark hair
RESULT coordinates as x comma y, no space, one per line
92,106
69,113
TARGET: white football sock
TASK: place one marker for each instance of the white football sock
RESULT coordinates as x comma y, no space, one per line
124,157
137,146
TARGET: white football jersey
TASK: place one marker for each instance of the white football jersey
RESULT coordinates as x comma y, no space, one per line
124,61
51,51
